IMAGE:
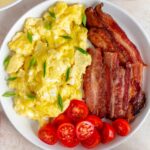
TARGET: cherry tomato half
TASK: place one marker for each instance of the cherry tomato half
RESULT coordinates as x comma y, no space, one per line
66,134
77,110
70,143
92,141
122,127
107,133
62,118
47,134
84,130
96,121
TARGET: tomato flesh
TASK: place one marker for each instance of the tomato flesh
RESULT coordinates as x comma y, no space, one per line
107,133
47,134
96,121
77,110
70,143
66,134
122,127
92,141
84,130
62,118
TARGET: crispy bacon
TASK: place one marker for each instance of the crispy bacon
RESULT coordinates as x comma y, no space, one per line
136,72
117,85
93,84
136,104
111,63
101,38
134,98
126,90
112,84
92,18
119,35
98,19
109,87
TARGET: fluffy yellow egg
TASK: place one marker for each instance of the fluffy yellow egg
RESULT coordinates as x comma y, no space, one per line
49,66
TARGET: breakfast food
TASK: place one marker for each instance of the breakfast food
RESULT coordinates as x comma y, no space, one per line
58,79
48,61
113,82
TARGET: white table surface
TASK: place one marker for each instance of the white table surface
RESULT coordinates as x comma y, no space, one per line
10,139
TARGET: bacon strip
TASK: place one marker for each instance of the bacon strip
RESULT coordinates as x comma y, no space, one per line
92,18
112,84
93,84
109,87
127,87
136,72
119,91
101,38
117,84
118,34
136,104
111,63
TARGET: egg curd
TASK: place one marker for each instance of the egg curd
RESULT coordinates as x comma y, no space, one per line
47,62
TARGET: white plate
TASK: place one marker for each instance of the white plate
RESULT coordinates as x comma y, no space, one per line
28,128
8,4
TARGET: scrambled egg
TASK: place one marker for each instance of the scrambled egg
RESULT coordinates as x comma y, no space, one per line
45,62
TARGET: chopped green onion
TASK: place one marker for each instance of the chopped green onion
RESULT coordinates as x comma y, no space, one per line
11,78
81,50
47,43
48,25
32,62
52,14
44,69
29,36
60,102
6,61
9,94
84,20
31,96
66,37
67,74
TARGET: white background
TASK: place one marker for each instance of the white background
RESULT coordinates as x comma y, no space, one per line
10,139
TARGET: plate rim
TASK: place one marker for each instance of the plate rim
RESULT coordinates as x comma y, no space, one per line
9,5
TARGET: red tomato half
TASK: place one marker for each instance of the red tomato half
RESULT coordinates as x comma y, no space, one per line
84,130
77,110
62,118
107,133
96,121
122,127
92,141
70,143
47,134
66,134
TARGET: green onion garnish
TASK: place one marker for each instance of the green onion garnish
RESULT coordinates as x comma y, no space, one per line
44,69
32,62
47,43
66,37
11,78
52,14
31,96
6,61
67,74
48,25
81,50
84,20
60,102
29,36
9,94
